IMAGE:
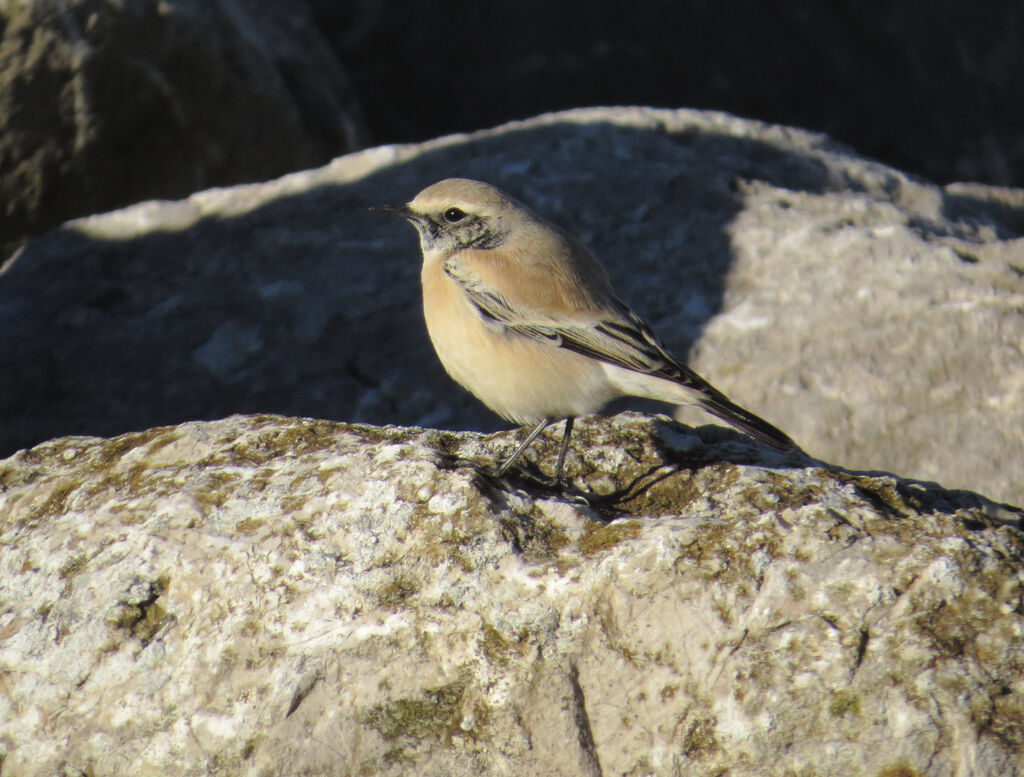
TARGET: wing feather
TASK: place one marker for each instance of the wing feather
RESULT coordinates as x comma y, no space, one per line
609,332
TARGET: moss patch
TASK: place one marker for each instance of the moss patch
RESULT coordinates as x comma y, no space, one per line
498,649
898,770
57,503
396,592
791,495
532,535
431,715
113,450
73,566
666,494
699,738
144,618
880,493
278,437
248,526
843,704
597,537
494,645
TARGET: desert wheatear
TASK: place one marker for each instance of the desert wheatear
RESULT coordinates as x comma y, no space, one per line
524,316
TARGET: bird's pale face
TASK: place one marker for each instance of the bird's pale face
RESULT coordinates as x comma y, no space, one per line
449,227
458,214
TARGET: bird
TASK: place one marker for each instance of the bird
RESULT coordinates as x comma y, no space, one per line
522,315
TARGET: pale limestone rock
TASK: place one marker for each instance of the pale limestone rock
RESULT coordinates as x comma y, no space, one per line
271,596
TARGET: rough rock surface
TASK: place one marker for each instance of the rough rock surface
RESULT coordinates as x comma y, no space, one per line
261,596
105,103
875,317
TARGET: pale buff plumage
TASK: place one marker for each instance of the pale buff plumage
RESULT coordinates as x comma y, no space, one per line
524,317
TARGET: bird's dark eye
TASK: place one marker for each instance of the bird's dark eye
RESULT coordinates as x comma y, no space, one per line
454,215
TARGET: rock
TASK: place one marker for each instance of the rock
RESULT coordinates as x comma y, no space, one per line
262,595
106,103
934,94
873,316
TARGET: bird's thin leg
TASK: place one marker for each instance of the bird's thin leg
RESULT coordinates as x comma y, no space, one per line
524,445
564,447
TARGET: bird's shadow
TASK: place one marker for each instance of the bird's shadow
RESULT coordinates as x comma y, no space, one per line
710,445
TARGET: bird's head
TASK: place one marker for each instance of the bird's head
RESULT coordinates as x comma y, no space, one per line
459,213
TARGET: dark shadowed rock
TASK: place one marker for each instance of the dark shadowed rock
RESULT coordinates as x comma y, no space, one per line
932,93
263,596
106,103
873,316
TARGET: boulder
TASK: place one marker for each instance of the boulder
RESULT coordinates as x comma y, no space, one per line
873,316
932,93
262,595
106,103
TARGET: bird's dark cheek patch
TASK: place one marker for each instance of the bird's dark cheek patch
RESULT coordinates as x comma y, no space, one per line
489,240
478,234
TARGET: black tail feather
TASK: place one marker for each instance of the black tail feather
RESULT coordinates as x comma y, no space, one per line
721,406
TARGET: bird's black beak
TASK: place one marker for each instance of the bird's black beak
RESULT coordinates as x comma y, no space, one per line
398,210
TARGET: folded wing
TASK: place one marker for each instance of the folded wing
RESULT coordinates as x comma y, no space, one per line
601,328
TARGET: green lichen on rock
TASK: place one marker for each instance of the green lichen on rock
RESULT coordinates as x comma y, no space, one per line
667,492
276,437
500,649
113,450
786,494
430,715
844,704
699,739
249,525
57,502
536,537
396,592
898,770
495,647
598,537
73,566
144,617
